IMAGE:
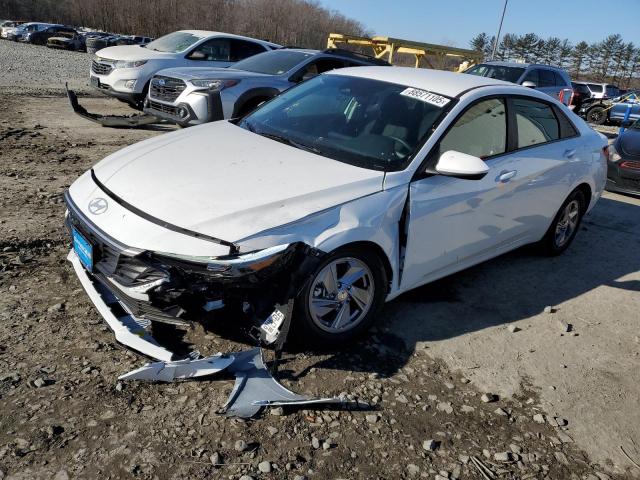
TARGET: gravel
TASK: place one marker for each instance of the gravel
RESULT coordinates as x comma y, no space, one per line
36,69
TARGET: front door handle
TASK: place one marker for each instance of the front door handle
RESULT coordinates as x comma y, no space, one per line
570,153
506,176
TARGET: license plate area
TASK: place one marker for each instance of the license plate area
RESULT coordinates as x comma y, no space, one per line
83,249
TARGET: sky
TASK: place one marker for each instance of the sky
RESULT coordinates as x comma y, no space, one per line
455,22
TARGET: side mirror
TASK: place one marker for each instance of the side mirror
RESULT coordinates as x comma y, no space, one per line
529,84
461,165
197,55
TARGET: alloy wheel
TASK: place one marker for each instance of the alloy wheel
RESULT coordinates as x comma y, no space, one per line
341,295
567,223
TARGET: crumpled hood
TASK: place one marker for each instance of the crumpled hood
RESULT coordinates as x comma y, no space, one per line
226,182
133,52
629,143
188,73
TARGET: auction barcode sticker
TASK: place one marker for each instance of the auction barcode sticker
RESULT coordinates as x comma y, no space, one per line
426,96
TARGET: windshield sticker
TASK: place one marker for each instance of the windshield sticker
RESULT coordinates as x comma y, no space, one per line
426,96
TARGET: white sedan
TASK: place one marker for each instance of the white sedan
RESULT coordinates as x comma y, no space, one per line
340,194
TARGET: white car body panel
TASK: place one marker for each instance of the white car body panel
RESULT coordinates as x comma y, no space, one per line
223,181
233,183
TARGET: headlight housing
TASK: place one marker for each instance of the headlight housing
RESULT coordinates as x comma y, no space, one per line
127,64
213,83
231,265
614,156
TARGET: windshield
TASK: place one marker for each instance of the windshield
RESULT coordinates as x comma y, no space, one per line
275,62
174,42
363,122
499,72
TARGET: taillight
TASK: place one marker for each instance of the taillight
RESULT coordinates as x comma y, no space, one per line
631,165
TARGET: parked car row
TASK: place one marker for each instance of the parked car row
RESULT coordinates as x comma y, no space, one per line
125,72
64,36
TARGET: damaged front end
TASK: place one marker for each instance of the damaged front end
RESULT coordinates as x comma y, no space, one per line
180,290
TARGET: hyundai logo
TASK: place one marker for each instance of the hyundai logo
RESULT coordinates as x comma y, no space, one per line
161,82
98,206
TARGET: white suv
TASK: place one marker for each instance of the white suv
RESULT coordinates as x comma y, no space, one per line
124,71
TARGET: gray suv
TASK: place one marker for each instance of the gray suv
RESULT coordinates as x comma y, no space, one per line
192,96
551,80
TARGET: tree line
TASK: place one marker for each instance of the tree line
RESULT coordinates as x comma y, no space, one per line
611,60
287,22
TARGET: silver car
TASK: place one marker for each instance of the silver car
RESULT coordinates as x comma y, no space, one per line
192,96
551,80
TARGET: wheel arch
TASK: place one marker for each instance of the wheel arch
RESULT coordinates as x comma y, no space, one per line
377,250
252,95
586,190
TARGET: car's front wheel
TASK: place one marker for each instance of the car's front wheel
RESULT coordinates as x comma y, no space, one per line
565,225
341,299
596,115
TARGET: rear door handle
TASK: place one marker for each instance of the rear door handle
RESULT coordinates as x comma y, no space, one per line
570,153
506,176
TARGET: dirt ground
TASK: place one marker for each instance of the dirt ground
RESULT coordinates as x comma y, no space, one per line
566,401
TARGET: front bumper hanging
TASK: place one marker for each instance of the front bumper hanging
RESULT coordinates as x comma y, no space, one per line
255,387
115,121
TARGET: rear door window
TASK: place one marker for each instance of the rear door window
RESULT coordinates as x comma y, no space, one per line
547,78
536,121
241,49
595,88
560,82
217,49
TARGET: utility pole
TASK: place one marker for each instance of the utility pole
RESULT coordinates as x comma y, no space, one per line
495,43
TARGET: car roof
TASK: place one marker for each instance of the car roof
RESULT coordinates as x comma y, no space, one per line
521,65
450,84
208,33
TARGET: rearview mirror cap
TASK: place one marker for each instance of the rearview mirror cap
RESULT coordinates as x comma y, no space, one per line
529,84
461,165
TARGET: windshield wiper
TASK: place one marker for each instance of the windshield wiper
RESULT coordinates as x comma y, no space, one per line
288,141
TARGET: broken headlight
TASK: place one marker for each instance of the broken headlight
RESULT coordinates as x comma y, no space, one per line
232,265
213,83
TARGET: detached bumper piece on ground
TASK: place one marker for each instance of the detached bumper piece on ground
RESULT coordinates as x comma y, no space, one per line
254,388
115,121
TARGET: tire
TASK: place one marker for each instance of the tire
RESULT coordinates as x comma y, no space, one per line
596,115
313,322
554,241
